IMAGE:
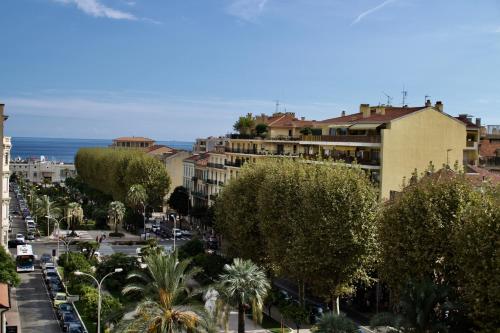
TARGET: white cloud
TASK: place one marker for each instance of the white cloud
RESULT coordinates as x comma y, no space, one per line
371,11
247,10
97,9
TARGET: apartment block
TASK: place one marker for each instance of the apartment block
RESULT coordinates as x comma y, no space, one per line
42,171
5,199
388,142
489,148
132,142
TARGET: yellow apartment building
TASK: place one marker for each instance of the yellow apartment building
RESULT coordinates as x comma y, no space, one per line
389,142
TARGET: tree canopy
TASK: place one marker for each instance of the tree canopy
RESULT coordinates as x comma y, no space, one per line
114,171
8,272
300,212
179,200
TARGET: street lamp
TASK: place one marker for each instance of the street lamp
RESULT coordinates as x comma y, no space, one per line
99,285
173,230
58,229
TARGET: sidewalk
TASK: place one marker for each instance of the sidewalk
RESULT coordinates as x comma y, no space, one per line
12,316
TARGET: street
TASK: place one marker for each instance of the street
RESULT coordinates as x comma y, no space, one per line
35,307
34,304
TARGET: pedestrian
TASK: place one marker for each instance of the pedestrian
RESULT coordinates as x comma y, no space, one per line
97,238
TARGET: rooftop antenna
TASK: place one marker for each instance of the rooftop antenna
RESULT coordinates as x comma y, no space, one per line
389,99
426,98
405,93
277,106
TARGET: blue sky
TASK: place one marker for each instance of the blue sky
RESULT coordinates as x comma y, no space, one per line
180,69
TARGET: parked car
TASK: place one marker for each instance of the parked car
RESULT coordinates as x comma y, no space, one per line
60,298
67,319
75,328
47,263
20,237
13,243
30,236
50,273
64,307
44,259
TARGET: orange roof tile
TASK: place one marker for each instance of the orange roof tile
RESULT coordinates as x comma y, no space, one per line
391,113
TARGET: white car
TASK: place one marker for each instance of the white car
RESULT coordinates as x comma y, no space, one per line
20,237
186,233
176,232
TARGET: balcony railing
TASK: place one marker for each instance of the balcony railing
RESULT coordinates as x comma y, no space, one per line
215,165
345,159
236,164
261,152
344,138
256,137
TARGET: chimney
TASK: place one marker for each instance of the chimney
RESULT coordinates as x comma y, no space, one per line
342,114
428,103
380,110
365,110
478,122
439,106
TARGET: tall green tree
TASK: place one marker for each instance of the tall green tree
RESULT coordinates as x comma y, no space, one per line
416,230
237,215
48,209
242,283
245,124
114,171
137,199
116,212
8,273
179,200
74,216
167,305
478,256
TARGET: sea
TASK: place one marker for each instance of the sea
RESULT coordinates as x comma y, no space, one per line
64,150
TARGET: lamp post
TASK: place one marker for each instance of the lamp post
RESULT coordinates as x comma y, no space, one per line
99,289
57,222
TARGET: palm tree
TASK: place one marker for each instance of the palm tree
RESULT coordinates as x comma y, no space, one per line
116,212
137,198
74,213
168,305
333,323
49,209
242,283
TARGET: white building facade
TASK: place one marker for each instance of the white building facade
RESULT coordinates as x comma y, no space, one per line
5,199
40,171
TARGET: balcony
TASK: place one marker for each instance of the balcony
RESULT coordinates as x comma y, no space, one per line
194,178
211,181
344,138
256,137
199,194
215,165
262,152
345,159
471,145
236,164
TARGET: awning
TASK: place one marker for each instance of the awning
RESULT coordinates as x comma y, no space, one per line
364,126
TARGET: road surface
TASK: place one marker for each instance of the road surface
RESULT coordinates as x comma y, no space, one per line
33,301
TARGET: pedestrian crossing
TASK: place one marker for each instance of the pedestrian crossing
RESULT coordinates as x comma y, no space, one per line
176,238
